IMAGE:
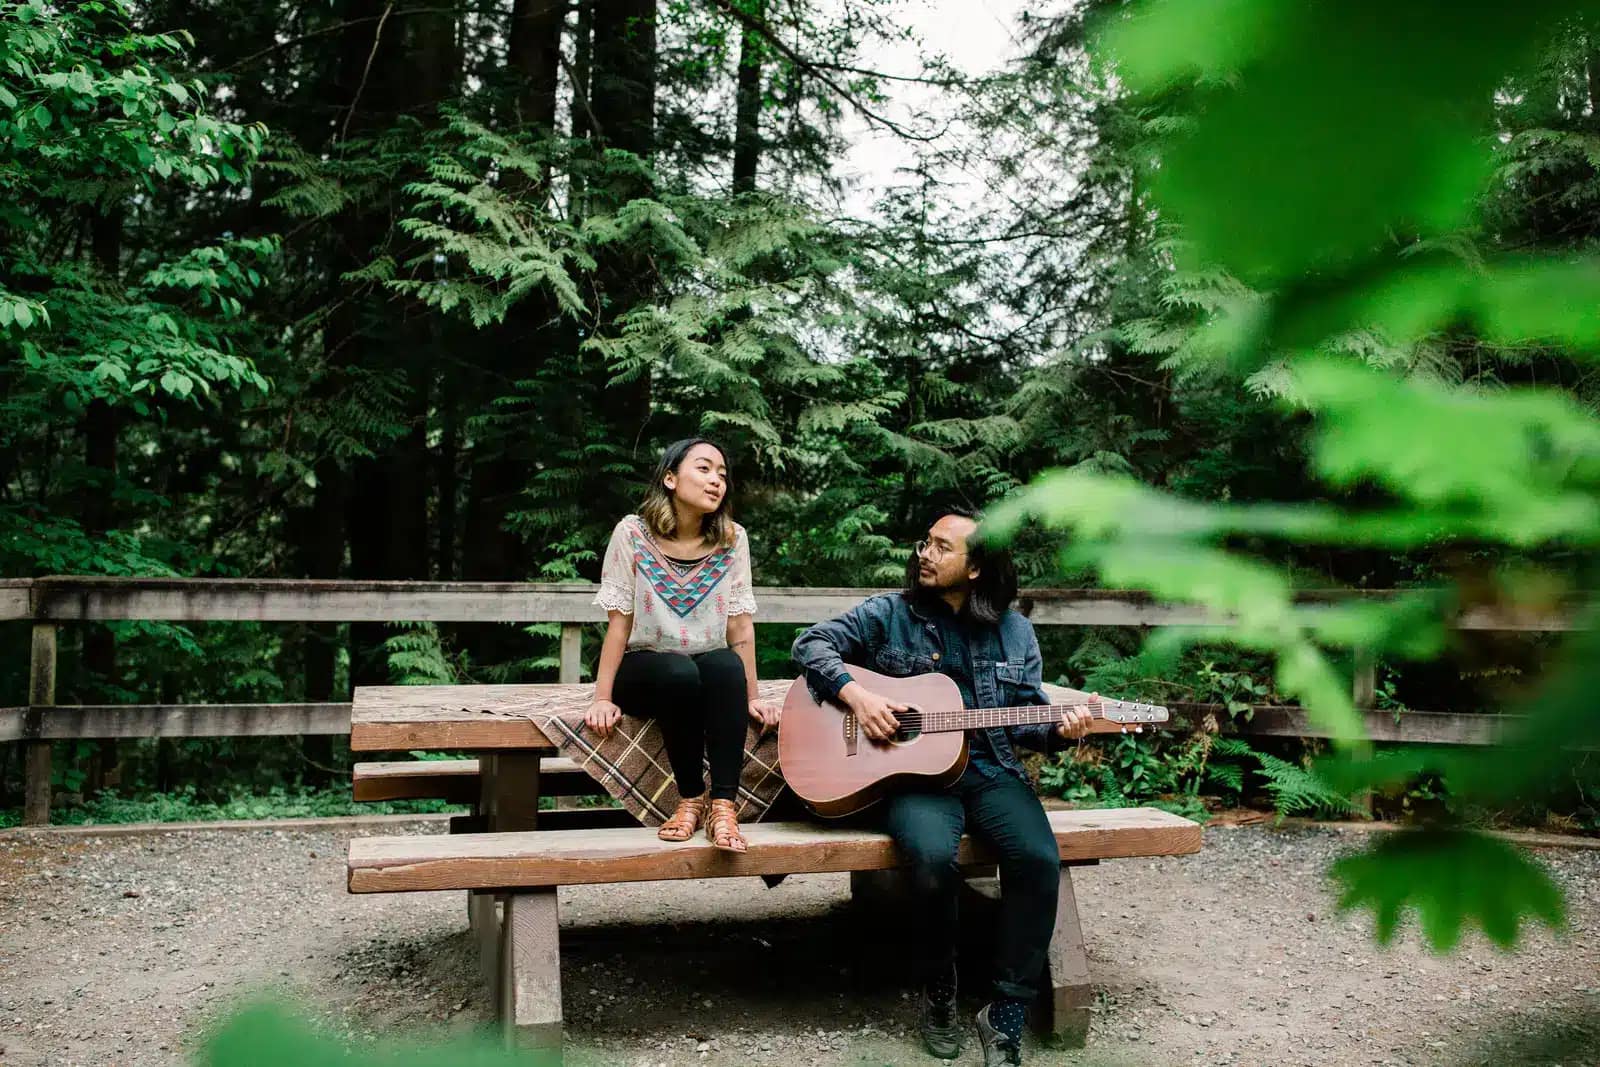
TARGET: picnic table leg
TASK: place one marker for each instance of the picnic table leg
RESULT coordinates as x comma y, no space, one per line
508,799
530,972
473,824
1063,1007
508,790
484,920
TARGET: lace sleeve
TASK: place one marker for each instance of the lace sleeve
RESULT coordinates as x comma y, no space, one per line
617,573
741,594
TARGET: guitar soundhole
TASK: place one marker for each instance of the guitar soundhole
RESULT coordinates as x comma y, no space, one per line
910,727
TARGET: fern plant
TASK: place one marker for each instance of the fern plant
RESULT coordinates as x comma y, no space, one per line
416,656
1294,789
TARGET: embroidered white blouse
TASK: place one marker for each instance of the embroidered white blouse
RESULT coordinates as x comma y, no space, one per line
674,611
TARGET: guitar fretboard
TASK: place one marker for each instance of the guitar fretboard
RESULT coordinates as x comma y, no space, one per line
936,722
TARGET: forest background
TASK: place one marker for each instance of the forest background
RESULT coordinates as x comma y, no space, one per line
417,290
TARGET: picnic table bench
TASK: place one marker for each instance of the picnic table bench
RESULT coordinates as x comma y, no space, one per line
456,780
520,858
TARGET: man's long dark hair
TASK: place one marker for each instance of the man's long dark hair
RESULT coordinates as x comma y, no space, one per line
995,588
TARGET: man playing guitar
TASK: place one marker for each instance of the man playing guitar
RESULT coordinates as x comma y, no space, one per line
954,617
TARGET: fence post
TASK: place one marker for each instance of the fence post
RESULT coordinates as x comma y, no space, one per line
1364,690
571,653
1364,694
36,753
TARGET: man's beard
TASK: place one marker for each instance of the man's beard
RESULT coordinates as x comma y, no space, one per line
930,585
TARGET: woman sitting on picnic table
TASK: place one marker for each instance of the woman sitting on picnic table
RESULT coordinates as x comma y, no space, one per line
680,643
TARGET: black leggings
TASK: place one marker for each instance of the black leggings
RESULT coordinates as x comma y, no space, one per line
700,703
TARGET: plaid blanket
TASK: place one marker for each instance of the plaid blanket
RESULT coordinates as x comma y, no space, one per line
632,763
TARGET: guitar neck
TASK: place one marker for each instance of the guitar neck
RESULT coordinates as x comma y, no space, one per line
1125,715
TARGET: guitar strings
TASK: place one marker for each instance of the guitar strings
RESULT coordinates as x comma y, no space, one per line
913,717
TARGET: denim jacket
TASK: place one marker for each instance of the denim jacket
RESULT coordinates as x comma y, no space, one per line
890,635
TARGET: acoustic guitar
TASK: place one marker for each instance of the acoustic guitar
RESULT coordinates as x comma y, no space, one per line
837,771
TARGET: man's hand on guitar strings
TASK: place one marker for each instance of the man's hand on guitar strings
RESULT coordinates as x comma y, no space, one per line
1075,722
875,714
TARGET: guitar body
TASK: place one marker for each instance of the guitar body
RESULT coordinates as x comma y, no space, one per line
832,766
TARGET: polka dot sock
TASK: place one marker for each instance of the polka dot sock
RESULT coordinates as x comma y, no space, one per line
1006,1015
941,985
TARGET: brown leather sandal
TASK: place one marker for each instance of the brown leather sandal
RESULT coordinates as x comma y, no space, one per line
685,820
722,829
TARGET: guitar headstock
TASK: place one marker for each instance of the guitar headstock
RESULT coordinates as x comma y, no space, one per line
1128,713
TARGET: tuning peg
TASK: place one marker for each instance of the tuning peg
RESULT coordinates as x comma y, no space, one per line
1138,729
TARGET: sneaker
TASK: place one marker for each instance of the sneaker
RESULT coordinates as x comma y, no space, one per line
941,1033
998,1049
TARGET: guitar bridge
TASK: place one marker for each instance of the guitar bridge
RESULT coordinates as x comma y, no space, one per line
850,732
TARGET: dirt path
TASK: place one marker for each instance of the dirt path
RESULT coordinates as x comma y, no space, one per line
122,950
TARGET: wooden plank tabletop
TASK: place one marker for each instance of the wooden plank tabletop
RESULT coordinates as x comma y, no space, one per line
470,717
575,857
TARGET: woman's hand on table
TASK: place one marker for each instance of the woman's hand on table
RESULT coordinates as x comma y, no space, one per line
602,717
766,713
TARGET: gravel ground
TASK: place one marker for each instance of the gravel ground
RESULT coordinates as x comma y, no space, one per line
123,950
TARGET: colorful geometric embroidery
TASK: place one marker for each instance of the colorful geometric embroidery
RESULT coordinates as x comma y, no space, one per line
681,593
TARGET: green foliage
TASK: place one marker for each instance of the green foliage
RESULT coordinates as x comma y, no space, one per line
265,1036
1353,260
1241,197
509,244
184,805
417,656
1453,878
1295,789
1166,773
94,126
90,116
1237,691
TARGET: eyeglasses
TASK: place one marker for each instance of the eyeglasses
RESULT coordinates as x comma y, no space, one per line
932,551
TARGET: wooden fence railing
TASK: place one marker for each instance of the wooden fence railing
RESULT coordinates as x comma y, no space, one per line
53,601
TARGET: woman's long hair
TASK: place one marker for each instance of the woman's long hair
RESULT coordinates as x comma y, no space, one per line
995,588
662,518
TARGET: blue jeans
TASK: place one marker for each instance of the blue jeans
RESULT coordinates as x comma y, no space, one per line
1002,810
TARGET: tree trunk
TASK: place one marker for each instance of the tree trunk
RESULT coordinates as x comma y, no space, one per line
623,102
533,49
582,61
623,96
438,56
375,81
389,538
1591,67
490,554
322,551
100,430
747,109
319,551
370,80
582,53
449,482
